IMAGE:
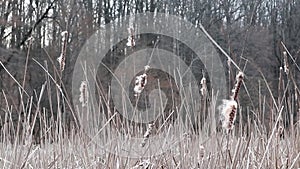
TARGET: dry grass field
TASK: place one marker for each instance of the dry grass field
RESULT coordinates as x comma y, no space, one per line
250,144
99,138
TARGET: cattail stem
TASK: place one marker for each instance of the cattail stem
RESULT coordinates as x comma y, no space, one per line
280,85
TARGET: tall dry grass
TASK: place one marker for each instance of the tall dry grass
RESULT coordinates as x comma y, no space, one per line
40,140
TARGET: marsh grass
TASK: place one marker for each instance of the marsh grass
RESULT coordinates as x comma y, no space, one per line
254,142
252,148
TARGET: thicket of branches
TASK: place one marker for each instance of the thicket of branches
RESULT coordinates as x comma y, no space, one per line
226,20
251,29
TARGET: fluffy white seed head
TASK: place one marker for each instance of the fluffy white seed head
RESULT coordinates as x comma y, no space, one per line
147,67
64,35
62,58
286,65
228,114
83,98
239,76
204,87
62,62
140,83
130,39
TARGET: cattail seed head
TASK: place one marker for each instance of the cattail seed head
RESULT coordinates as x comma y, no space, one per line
83,99
147,67
62,58
140,82
143,164
240,76
228,114
147,134
62,62
130,39
63,33
237,86
204,86
280,131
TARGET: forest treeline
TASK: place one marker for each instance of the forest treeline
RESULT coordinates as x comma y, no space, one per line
252,29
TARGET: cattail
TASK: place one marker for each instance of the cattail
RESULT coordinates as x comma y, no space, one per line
130,39
204,87
228,114
147,134
62,58
140,82
237,86
147,67
63,34
83,99
285,61
280,131
62,62
143,164
229,107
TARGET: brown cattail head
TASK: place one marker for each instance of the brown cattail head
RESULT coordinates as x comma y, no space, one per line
237,86
228,114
